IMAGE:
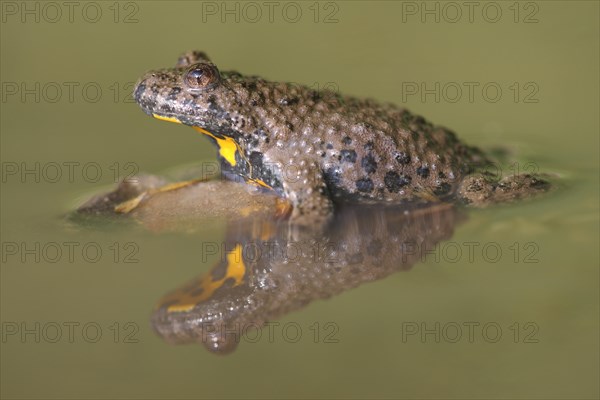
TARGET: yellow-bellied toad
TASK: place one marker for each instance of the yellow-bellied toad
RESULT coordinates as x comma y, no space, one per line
317,148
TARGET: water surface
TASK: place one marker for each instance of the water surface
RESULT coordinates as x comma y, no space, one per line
523,279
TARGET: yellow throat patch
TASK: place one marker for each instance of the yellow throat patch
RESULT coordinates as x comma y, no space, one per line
227,146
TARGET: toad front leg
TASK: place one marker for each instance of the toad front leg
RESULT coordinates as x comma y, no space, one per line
305,188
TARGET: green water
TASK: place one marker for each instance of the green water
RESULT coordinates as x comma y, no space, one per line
546,65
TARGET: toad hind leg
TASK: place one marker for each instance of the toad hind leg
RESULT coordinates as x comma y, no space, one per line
131,204
479,191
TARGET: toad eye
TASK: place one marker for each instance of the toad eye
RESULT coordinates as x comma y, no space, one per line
201,76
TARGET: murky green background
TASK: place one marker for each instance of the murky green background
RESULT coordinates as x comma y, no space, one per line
376,50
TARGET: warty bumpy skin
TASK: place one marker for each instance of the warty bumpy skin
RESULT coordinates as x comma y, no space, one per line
317,148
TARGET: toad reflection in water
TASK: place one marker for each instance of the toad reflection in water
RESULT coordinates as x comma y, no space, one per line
263,275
